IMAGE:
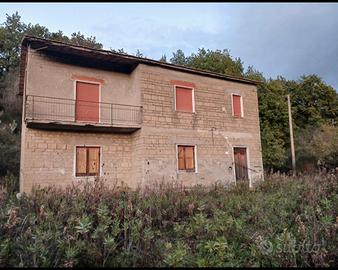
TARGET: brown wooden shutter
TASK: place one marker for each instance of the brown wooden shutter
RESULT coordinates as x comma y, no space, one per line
186,158
81,161
236,104
189,158
184,99
93,160
181,162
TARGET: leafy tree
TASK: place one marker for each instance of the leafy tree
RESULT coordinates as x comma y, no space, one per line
216,61
314,101
317,147
10,37
273,113
9,152
80,39
178,58
254,74
273,148
13,30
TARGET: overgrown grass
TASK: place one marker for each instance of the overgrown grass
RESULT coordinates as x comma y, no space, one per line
285,221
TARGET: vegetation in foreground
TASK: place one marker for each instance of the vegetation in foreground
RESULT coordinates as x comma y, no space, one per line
286,221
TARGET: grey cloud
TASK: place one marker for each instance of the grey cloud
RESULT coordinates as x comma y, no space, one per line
278,39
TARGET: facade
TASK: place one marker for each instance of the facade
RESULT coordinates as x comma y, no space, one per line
132,121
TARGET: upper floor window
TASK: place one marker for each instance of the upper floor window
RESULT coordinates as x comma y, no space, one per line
237,106
186,158
87,161
184,99
87,102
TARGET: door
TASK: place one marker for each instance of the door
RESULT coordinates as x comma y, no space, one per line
87,102
241,164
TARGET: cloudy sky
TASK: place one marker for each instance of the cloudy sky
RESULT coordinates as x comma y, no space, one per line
277,39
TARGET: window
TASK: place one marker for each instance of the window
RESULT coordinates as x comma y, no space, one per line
186,158
184,99
87,106
237,110
87,161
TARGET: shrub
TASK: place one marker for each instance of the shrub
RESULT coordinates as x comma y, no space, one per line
285,221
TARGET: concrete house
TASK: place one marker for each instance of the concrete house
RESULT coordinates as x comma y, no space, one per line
132,121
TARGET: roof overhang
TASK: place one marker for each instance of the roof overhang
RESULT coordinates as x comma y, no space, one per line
103,59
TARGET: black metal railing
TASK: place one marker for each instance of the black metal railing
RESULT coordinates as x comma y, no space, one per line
79,111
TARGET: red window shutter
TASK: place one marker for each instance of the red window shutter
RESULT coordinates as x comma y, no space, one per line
184,99
87,102
236,105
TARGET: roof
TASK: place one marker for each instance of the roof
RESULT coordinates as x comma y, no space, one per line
104,59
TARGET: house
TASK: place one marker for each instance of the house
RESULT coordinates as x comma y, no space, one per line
132,120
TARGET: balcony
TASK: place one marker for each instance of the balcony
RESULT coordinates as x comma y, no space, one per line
77,115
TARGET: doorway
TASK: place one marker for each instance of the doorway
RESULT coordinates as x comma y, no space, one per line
241,164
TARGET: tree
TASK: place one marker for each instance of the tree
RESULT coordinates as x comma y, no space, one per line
79,39
317,147
178,58
139,54
163,58
315,102
10,37
216,61
121,51
273,116
13,31
9,152
273,148
253,74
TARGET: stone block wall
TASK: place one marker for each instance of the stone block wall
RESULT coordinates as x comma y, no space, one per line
149,155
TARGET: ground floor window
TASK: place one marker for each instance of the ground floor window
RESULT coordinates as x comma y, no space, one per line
87,161
186,157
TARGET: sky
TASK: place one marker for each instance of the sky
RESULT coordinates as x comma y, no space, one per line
284,39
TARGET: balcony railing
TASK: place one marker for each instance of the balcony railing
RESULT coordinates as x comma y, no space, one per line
51,109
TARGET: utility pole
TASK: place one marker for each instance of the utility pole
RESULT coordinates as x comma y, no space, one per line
293,158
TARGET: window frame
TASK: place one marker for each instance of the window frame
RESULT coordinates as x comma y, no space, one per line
232,105
195,170
192,96
75,163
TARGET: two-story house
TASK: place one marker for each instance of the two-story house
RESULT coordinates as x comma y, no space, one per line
132,120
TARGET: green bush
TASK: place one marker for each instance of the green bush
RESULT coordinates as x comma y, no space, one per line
285,221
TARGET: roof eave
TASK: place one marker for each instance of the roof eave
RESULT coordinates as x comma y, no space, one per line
139,60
